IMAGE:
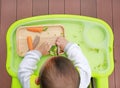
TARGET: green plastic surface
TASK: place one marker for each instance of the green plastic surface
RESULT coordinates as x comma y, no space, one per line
94,36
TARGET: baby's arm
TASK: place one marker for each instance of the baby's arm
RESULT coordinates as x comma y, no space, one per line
77,57
27,67
28,64
75,54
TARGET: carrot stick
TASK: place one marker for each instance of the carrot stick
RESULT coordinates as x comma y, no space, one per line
29,42
36,29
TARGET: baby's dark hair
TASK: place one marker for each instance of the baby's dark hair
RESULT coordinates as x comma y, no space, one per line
59,72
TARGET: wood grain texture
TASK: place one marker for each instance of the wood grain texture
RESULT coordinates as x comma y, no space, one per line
0,17
56,6
104,11
8,16
40,7
72,7
0,14
24,9
88,8
116,26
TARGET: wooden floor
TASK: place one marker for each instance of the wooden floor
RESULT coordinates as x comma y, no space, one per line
12,10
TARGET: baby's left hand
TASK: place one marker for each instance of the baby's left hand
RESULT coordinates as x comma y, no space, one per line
61,42
44,48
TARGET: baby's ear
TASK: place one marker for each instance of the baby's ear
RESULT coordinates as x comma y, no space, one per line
37,81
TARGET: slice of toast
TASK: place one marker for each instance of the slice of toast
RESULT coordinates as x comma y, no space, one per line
52,32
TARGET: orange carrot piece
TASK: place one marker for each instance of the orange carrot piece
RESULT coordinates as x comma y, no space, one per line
29,42
35,29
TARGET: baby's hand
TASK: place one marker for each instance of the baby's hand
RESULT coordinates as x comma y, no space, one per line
61,42
44,48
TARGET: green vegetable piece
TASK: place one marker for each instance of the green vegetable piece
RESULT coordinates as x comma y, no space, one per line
45,28
53,50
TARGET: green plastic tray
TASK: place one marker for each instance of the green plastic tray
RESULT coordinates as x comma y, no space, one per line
93,35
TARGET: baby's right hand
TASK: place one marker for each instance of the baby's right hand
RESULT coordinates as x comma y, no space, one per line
61,42
44,48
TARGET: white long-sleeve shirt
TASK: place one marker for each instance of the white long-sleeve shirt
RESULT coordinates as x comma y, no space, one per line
28,65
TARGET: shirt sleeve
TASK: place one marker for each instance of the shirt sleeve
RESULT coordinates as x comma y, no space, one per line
79,60
27,67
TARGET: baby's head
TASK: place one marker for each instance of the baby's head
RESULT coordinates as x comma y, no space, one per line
59,72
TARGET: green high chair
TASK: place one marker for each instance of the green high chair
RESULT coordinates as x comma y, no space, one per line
93,35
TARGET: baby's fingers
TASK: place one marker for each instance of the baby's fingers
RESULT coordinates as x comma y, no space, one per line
44,48
61,42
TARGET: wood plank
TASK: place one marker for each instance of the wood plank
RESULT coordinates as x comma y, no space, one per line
0,14
104,11
8,16
56,6
40,7
116,26
72,7
88,8
112,80
24,8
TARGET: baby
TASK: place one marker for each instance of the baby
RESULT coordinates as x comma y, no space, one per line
59,71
